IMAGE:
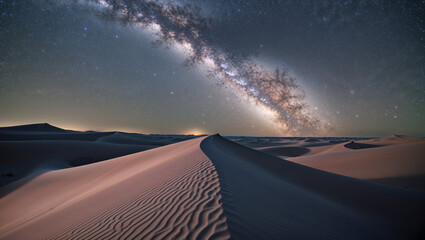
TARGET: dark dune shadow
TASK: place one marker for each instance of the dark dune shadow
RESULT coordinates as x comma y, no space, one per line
409,182
318,144
259,190
21,158
27,148
337,141
259,145
5,190
256,142
286,151
354,145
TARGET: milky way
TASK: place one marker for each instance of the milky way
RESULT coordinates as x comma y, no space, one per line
276,92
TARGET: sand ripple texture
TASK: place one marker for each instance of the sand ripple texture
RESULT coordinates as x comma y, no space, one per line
171,192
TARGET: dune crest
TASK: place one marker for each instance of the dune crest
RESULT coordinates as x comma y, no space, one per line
170,192
206,188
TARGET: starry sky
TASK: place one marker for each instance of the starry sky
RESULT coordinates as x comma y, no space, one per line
236,67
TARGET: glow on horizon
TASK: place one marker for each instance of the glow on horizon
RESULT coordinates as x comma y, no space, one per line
80,128
195,132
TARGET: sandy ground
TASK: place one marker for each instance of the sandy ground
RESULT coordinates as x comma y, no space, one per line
73,185
395,160
166,193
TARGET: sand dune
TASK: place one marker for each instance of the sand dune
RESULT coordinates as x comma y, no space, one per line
24,158
138,139
266,198
283,151
393,140
394,160
400,163
207,188
28,150
290,147
165,193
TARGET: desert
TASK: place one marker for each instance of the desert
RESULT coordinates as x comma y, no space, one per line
206,187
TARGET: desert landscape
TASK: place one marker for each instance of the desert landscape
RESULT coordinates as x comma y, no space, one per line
212,119
61,184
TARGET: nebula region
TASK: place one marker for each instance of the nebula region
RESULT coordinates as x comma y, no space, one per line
276,91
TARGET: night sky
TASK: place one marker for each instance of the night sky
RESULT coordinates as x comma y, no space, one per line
252,67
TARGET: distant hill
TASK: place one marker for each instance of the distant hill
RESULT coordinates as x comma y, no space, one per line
37,127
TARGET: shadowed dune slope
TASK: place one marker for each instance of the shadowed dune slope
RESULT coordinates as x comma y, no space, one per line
29,150
284,151
22,158
171,192
269,198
